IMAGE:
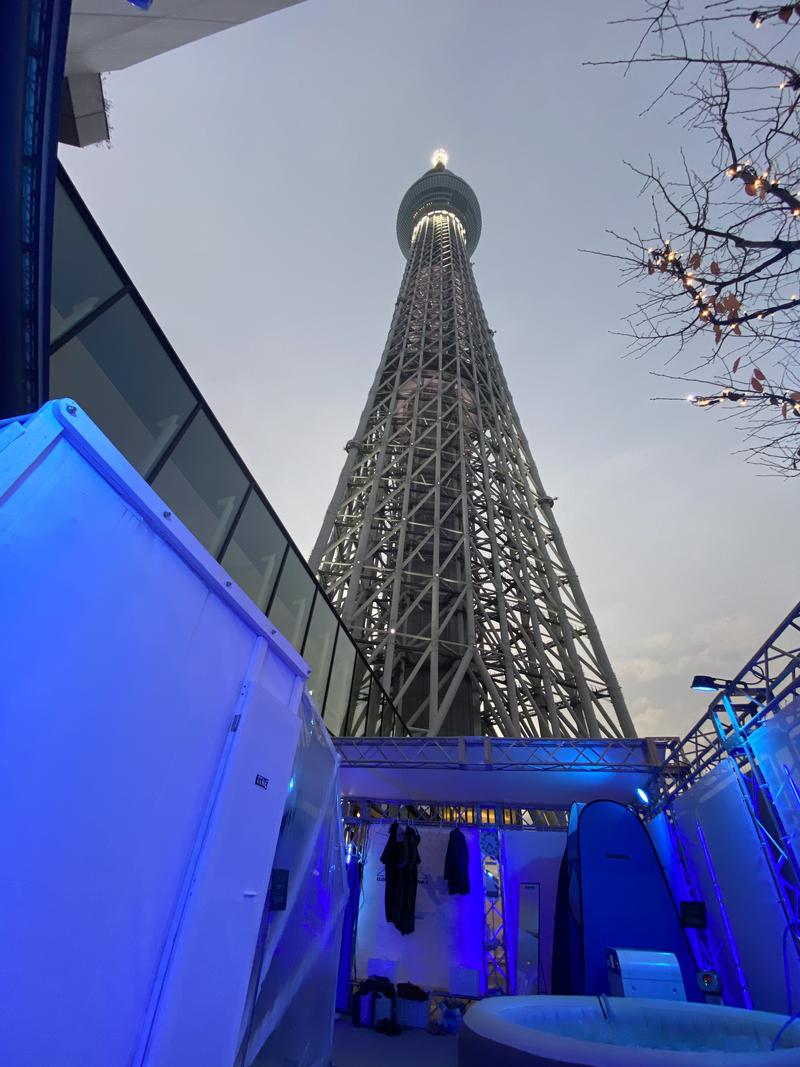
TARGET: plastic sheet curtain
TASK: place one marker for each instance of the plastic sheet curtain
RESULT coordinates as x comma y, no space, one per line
290,1019
344,983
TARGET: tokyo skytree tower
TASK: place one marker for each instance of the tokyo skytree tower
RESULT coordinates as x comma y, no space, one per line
440,548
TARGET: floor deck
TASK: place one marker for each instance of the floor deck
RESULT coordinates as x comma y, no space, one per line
358,1046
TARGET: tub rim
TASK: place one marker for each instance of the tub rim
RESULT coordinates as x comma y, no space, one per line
492,1019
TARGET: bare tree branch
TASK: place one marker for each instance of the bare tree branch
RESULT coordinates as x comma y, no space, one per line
718,271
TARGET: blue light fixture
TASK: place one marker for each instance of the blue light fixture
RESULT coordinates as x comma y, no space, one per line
143,5
291,784
642,796
704,683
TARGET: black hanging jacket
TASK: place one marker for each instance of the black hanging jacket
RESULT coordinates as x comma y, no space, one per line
456,863
401,859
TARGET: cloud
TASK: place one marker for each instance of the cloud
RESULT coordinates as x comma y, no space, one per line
702,647
729,634
642,669
651,720
658,668
663,639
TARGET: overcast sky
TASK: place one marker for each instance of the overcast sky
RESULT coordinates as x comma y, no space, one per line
251,189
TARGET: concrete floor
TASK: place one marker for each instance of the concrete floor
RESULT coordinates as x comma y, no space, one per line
358,1046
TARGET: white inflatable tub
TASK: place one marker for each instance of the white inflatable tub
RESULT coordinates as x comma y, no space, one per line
547,1031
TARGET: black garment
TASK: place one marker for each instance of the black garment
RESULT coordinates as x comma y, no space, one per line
456,863
401,858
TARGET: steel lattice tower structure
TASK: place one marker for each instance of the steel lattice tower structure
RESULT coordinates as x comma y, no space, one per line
439,547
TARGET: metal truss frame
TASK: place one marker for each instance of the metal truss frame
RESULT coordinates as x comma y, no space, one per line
360,811
699,938
495,952
363,811
564,754
768,683
774,671
440,549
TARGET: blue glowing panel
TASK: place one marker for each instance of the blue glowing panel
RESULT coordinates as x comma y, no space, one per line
624,899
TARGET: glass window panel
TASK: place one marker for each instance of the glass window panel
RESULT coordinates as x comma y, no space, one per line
339,685
118,371
82,276
292,601
203,483
395,728
385,717
255,551
318,648
356,724
374,711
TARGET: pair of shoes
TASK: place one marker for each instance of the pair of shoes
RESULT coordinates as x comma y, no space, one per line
388,1027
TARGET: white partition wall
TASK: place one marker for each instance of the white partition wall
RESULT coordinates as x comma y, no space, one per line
684,885
746,918
148,724
532,856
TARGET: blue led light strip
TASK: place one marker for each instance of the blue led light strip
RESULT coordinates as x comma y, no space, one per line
792,785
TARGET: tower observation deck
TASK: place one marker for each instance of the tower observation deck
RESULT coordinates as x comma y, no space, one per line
440,548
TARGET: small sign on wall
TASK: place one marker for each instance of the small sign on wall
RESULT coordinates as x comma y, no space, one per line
693,914
278,889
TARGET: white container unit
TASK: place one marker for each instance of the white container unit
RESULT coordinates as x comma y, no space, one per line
148,724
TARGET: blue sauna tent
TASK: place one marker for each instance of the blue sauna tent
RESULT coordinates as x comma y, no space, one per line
612,893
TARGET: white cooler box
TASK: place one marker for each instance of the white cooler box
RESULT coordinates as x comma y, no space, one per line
639,973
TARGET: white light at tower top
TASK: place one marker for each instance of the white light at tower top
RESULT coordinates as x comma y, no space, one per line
439,158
